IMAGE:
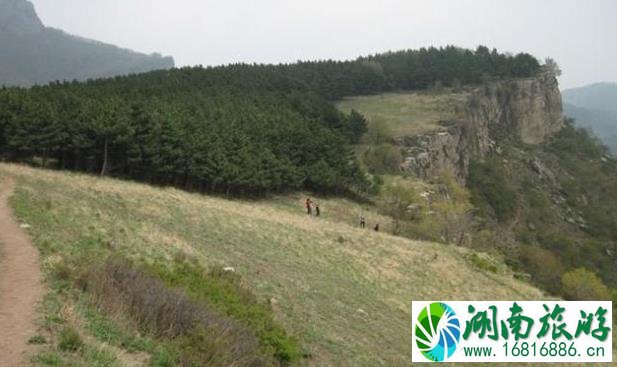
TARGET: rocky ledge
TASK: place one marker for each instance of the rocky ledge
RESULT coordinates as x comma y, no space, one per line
526,110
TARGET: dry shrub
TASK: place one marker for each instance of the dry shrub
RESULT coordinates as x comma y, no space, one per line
205,338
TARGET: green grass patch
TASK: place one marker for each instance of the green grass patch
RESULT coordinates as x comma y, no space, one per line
110,331
37,340
48,358
483,262
69,340
406,114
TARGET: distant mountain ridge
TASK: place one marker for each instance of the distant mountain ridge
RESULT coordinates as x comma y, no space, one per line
598,96
35,54
595,107
19,17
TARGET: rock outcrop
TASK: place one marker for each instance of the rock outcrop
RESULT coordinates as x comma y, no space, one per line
526,110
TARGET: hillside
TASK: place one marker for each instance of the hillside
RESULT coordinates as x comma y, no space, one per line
602,123
344,292
35,54
593,107
536,190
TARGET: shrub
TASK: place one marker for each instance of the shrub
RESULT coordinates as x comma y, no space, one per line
378,133
545,268
483,262
69,340
491,187
397,195
452,209
484,240
169,313
444,218
62,271
382,159
582,284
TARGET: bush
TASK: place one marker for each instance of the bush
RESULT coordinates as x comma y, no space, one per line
170,314
483,262
484,240
584,285
69,340
384,158
378,133
545,268
451,209
491,187
443,218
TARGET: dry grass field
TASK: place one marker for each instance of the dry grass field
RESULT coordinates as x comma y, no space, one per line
343,291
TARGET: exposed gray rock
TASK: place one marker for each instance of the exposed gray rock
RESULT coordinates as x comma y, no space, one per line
583,200
531,108
527,110
543,172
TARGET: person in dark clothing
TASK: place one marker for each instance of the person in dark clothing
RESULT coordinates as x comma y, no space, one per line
362,222
317,211
377,227
309,208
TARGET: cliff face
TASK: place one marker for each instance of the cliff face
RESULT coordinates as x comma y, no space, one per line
526,110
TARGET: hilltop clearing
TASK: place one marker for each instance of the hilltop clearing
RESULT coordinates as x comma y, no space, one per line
410,113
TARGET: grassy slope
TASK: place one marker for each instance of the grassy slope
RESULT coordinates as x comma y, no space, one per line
406,114
344,291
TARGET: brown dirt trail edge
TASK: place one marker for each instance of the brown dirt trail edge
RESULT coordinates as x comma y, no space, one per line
20,285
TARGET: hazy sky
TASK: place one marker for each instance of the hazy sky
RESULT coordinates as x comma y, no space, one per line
580,34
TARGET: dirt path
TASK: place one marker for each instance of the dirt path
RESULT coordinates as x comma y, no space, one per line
20,285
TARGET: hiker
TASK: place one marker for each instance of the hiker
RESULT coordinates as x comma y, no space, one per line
377,227
362,222
317,211
309,208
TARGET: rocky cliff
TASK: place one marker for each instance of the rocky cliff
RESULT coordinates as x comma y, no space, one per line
523,110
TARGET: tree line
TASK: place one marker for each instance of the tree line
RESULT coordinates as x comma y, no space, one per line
241,129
